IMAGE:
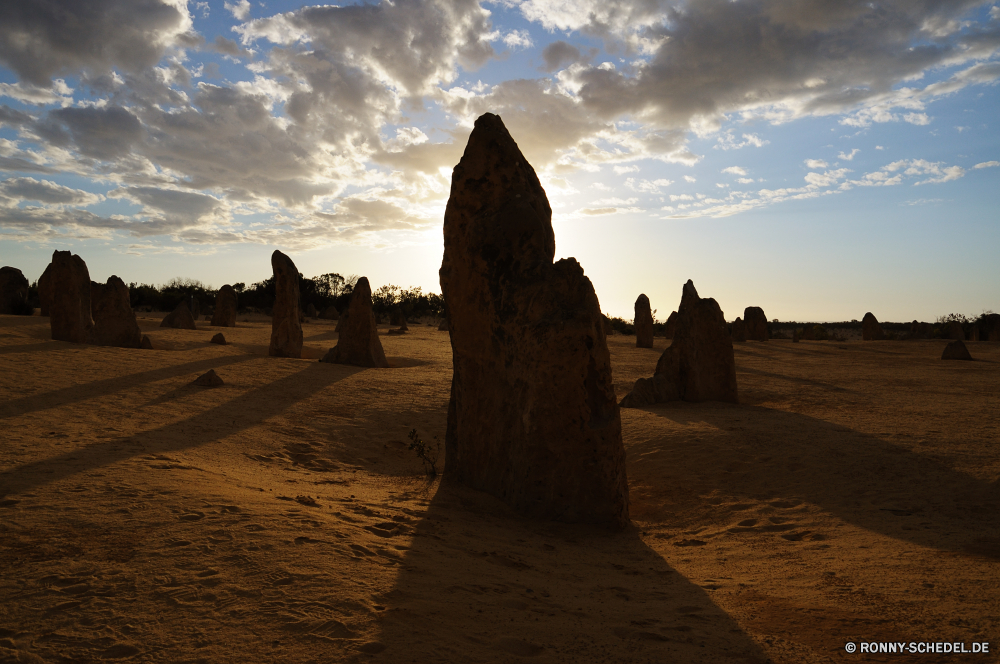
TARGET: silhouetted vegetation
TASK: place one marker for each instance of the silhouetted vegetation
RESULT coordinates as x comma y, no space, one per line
413,302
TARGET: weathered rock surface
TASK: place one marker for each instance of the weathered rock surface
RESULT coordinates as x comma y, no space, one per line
209,379
45,290
358,343
699,364
956,350
226,305
146,343
180,318
286,327
670,326
756,324
13,291
739,330
870,329
219,338
330,313
443,327
71,315
311,311
643,322
114,320
532,417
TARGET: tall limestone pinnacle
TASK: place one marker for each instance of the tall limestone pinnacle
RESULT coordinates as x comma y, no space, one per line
532,418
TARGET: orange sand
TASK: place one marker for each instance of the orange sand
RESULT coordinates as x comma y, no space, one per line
852,495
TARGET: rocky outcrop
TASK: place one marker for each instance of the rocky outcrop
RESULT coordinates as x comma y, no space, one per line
756,324
226,305
443,327
13,291
699,364
71,315
643,322
311,311
114,320
146,343
209,379
330,313
219,338
286,328
870,329
180,318
358,343
45,290
532,417
670,326
956,350
739,330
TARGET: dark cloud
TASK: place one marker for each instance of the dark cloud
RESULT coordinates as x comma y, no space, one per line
822,56
44,191
40,39
558,54
101,133
11,118
229,47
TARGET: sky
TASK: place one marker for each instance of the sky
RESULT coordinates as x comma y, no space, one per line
817,158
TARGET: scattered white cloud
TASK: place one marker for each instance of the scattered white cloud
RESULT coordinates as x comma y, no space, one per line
745,180
240,9
816,163
729,142
517,39
689,178
621,170
735,170
924,201
917,118
848,156
987,164
879,147
648,186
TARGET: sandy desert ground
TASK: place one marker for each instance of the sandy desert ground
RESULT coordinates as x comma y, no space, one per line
851,496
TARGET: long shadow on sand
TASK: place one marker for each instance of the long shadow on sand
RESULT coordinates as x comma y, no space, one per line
209,426
99,388
773,457
480,584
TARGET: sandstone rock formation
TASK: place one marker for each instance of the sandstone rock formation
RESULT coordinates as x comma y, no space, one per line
219,338
13,291
286,326
699,365
670,326
443,327
870,329
45,290
70,315
146,343
114,320
643,322
739,330
756,324
358,343
180,318
226,304
209,379
532,417
311,311
956,350
330,313
795,336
